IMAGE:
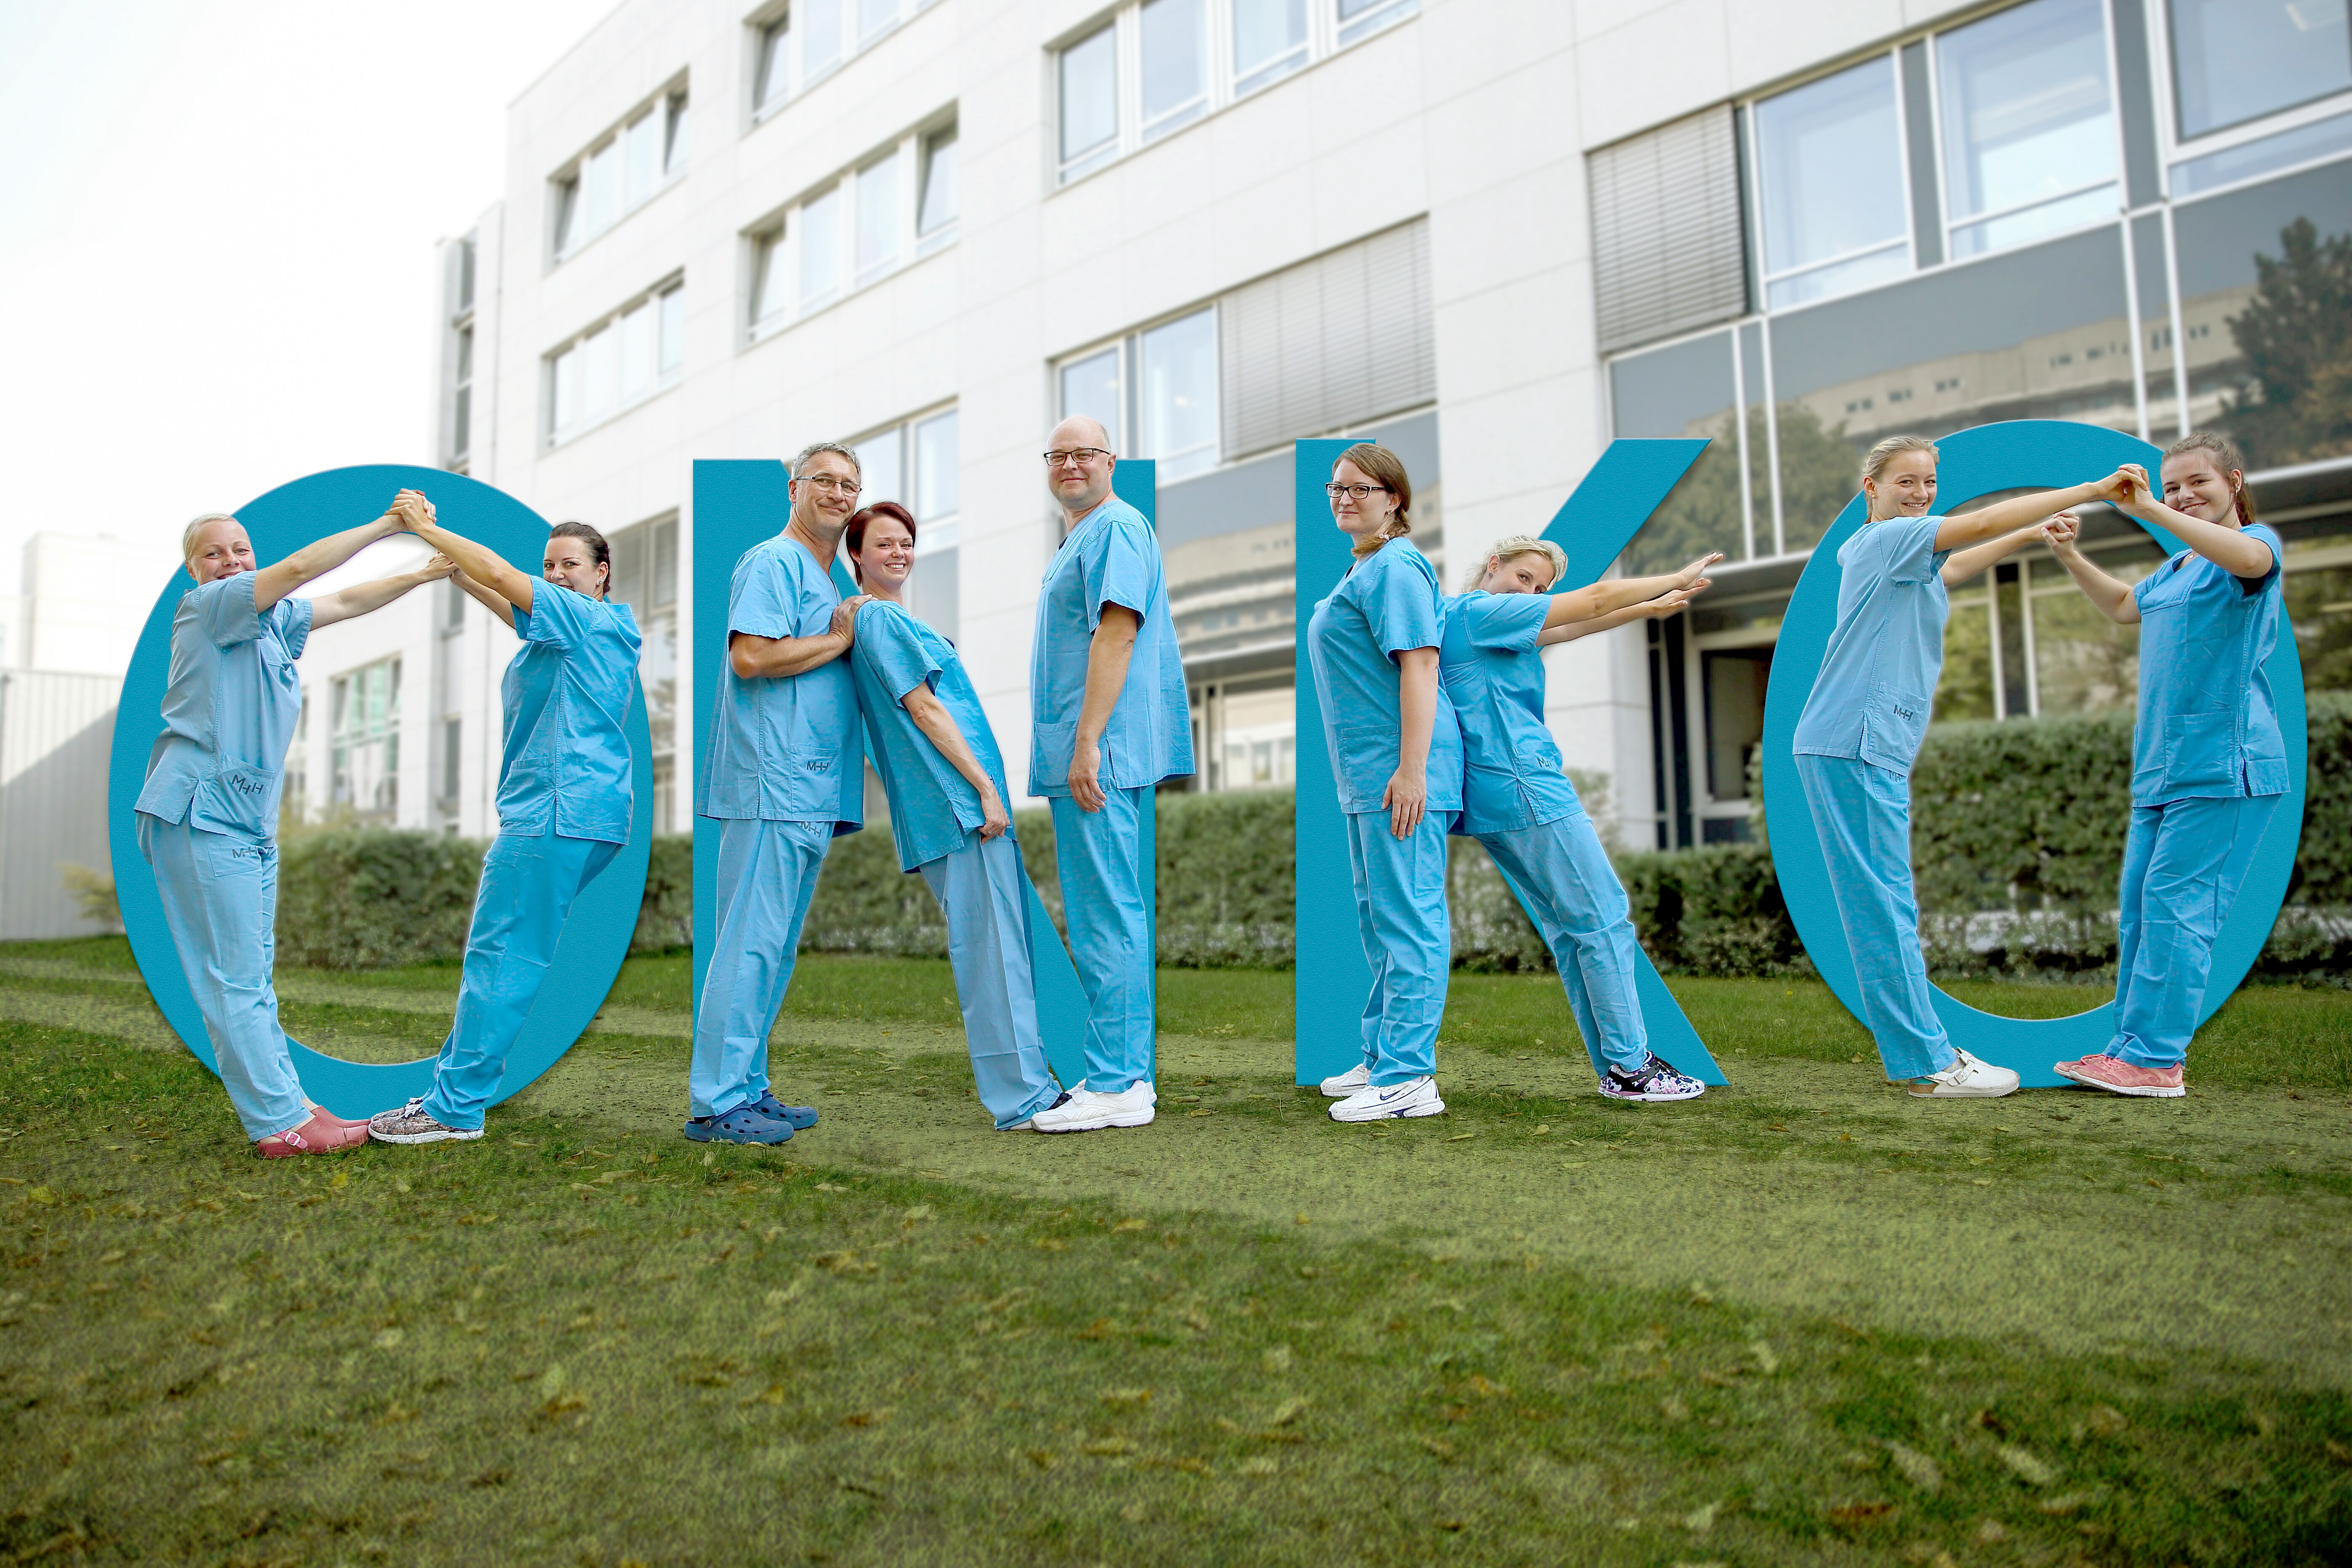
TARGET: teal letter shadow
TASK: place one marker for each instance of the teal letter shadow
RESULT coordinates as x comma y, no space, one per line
604,917
1593,526
2023,454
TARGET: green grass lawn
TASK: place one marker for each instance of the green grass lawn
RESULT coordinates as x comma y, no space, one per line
1803,1319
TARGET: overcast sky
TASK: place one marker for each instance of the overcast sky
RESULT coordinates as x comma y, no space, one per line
217,228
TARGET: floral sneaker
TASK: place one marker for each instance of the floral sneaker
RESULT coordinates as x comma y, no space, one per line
1658,1080
2119,1076
412,1123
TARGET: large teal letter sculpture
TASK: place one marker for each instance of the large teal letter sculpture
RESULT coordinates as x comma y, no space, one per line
2025,454
736,505
604,917
1594,524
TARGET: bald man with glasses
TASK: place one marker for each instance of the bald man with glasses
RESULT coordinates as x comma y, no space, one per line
1110,719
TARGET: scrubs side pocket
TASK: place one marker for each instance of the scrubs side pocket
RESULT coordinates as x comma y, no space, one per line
1367,758
1050,746
1894,722
2201,753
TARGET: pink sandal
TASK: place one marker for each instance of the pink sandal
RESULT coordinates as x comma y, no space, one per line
322,1134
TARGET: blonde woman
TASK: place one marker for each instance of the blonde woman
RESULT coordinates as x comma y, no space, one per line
2209,763
1396,756
1517,802
1863,725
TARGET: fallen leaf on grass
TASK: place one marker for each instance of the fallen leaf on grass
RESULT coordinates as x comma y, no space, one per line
845,1262
1439,1447
1766,1361
2026,1466
869,1417
2339,1452
495,1476
390,1338
1855,1515
43,1195
1918,1468
1130,1224
1258,1467
1286,1412
1204,1110
216,1457
1040,1458
2107,1421
1992,1532
771,1395
1459,1136
1127,1396
1488,1389
2065,1503
1277,1358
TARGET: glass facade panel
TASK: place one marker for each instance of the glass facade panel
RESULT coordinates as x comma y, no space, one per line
1269,41
770,297
936,470
1178,380
641,158
878,218
774,79
600,185
2250,159
2266,299
2234,60
1089,70
821,35
1819,151
874,16
673,329
2028,122
821,249
940,195
879,474
1175,63
640,350
1687,389
1091,386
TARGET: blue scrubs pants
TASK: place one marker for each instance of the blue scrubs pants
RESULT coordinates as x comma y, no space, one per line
1098,857
219,893
1862,814
1408,942
767,875
2183,865
984,892
1563,875
527,884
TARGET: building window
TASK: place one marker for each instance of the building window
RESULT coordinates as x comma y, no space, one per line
452,733
795,49
620,173
1147,70
914,462
294,801
645,578
1173,367
856,231
935,212
2027,132
1818,150
364,730
461,413
2233,62
617,363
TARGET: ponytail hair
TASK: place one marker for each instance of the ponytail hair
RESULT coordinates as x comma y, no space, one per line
2227,458
1378,463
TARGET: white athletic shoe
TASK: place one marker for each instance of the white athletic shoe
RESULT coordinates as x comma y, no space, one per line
1413,1097
1965,1078
412,1123
1085,1110
1355,1080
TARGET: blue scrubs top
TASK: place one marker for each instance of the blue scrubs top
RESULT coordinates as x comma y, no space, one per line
1877,685
229,711
2208,726
932,809
1514,776
1110,558
1387,603
784,748
567,695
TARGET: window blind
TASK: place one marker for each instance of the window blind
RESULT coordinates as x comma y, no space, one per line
1666,234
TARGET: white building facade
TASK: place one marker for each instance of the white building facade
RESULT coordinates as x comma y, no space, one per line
1495,233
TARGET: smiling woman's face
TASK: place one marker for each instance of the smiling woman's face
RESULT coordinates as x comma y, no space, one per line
571,563
1905,487
1528,572
2195,486
886,556
222,550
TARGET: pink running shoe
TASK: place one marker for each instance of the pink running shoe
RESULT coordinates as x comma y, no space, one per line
2119,1076
319,1135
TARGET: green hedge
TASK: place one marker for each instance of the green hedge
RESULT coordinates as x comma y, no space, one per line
368,898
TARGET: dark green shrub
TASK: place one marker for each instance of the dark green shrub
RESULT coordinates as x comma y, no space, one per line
1715,910
666,919
864,903
372,898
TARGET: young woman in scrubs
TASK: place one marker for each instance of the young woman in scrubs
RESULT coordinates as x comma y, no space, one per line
209,813
2209,763
1396,756
1863,725
939,762
1517,802
564,801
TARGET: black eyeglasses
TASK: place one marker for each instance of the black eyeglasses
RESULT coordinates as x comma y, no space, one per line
1358,491
1081,455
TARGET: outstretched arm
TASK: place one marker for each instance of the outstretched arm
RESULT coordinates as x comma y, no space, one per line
1670,603
2110,595
271,584
362,597
1604,598
480,562
497,604
931,717
2008,516
1966,564
2229,547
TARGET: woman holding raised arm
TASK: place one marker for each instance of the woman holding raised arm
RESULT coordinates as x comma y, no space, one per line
1396,757
209,813
565,799
2209,763
1863,725
1517,802
939,760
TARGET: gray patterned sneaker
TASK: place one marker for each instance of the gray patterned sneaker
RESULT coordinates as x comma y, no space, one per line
1657,1081
412,1124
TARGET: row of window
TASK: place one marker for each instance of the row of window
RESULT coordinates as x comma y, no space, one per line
808,41
617,363
619,172
856,230
1159,65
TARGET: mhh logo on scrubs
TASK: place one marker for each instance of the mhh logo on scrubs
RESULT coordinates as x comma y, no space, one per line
604,917
737,504
1594,525
2022,454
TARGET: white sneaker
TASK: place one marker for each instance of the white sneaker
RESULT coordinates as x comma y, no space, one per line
1355,1080
412,1123
1085,1110
1965,1078
1413,1097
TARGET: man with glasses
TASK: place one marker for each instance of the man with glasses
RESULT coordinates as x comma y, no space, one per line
1110,721
784,775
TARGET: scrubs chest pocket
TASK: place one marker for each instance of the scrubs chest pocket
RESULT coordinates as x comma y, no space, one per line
1894,722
